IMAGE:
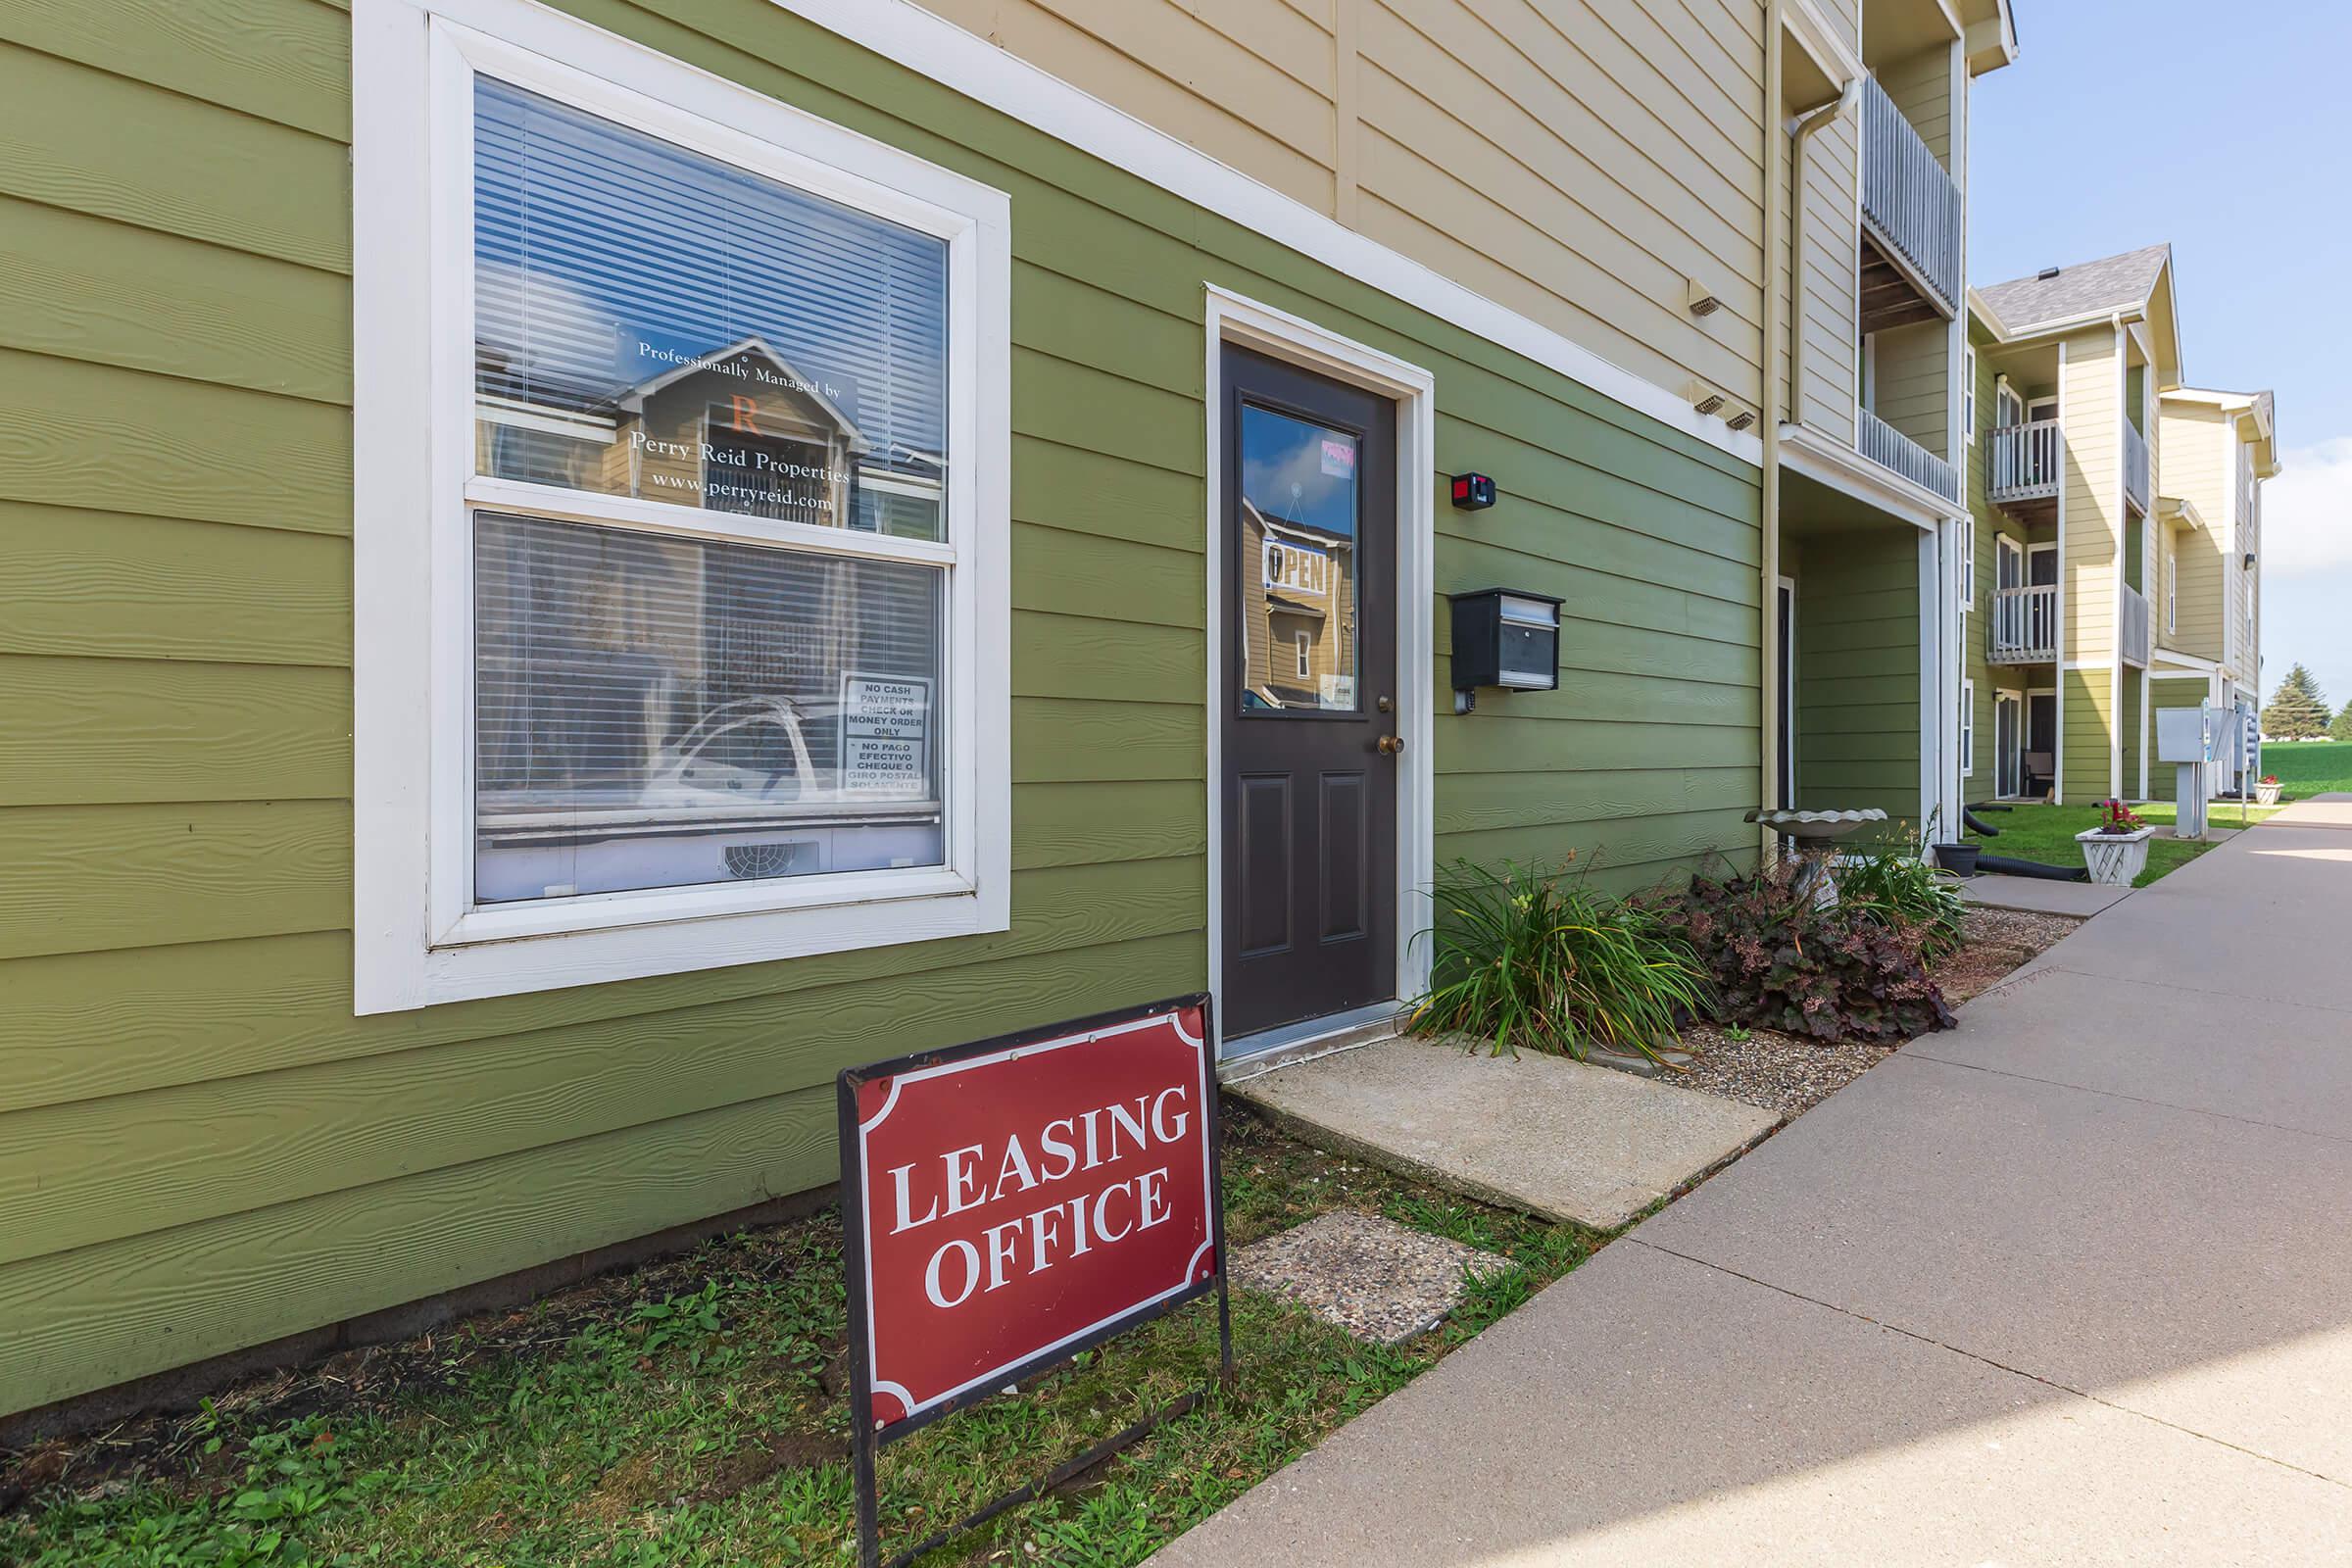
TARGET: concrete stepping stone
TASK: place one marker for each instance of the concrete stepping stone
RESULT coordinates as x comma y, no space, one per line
1541,1134
1381,1281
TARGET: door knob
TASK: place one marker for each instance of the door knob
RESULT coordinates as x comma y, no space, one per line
1392,745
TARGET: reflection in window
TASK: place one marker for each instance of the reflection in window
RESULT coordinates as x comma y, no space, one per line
653,711
1298,526
656,712
653,324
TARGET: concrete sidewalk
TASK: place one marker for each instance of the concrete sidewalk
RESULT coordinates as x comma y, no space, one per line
2070,1285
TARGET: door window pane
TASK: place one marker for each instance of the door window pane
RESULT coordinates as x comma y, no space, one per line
1298,574
654,712
653,324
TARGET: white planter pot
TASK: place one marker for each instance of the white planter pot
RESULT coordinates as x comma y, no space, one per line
2267,794
2115,858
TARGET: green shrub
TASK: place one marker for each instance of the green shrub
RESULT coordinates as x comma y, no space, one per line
1523,957
1780,963
1897,889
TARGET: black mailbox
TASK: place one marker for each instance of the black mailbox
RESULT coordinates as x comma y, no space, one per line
1504,637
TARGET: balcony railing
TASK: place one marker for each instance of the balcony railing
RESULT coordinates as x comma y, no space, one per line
1908,199
2131,625
2029,460
2025,625
2135,468
1883,444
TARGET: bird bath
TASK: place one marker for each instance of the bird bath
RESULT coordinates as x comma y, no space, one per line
1812,836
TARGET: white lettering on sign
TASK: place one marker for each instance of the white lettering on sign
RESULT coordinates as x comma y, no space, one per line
886,735
1295,569
1071,1228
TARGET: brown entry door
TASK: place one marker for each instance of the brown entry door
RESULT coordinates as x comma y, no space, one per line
1308,697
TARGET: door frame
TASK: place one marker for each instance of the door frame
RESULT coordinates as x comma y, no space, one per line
1236,320
2016,759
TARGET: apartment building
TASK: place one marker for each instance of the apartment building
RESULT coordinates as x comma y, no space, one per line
2098,588
582,567
2206,579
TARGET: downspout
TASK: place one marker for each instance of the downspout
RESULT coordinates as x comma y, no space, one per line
1768,630
1776,219
2123,537
1801,129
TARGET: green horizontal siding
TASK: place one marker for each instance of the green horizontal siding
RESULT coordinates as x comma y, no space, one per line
1857,670
207,1147
2086,734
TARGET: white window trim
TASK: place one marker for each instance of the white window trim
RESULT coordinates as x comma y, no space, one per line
416,940
1967,567
1968,728
1968,391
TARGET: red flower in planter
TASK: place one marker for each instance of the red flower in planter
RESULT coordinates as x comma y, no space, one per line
2120,819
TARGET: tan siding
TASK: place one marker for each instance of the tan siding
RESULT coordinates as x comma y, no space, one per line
1830,317
1912,377
1249,83
1578,161
1844,19
1920,85
2094,502
2195,466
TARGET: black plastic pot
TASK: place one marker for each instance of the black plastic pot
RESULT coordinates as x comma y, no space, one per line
1958,859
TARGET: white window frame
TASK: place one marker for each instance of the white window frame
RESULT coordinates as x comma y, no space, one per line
1968,390
1967,567
420,939
1302,643
1968,728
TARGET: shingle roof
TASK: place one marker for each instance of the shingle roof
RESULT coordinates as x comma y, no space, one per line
2110,283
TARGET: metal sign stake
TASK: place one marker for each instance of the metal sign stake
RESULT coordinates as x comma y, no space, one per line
868,1437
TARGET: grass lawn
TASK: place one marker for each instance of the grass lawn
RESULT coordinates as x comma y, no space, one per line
693,1412
2046,833
2309,767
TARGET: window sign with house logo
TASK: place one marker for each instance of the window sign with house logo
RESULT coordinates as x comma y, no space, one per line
736,690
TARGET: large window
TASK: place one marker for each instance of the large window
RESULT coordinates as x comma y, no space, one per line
709,666
653,711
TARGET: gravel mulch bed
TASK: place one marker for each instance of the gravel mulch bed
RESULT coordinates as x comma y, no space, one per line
1779,1072
2016,928
1783,1074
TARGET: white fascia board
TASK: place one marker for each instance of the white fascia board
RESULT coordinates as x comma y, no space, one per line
1819,458
931,46
1813,34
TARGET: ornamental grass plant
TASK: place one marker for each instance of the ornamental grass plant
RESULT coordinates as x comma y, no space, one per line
1895,887
1526,955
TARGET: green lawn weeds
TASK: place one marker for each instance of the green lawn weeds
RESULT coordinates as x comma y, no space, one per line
691,1413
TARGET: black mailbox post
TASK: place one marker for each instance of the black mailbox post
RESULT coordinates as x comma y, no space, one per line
1508,638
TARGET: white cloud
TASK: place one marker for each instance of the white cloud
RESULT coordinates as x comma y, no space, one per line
2307,512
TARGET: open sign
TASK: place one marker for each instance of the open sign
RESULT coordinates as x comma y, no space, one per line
1010,1203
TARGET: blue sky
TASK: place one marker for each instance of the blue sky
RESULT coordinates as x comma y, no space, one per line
2219,128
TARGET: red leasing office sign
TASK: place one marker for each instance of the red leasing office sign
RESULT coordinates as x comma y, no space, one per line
1014,1201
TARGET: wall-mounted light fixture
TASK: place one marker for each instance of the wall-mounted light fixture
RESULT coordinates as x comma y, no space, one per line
2249,561
1473,492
